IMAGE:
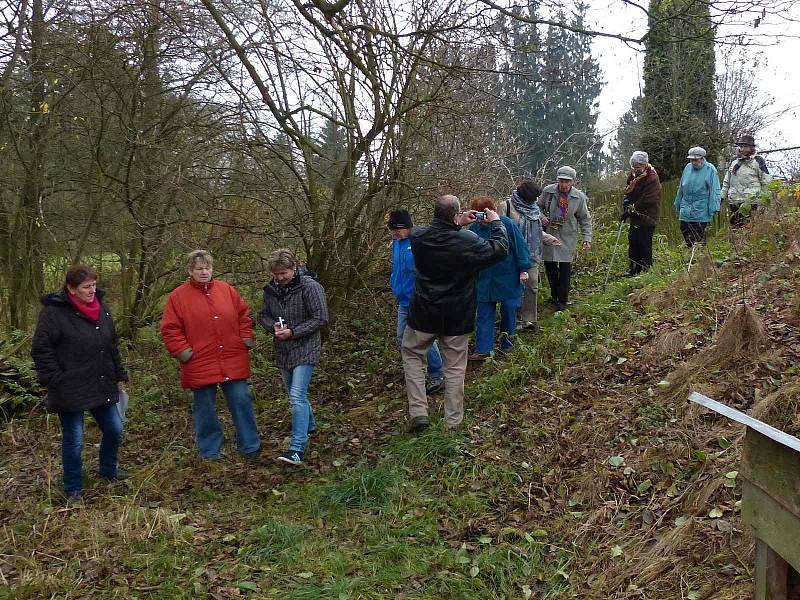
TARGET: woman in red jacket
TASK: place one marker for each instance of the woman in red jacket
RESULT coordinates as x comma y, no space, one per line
207,327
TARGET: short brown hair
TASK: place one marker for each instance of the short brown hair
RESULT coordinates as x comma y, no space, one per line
77,274
196,256
482,203
282,258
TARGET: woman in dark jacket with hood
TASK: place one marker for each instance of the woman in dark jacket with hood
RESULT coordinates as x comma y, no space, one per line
76,354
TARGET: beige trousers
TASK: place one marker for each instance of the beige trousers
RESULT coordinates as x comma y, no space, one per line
528,312
415,361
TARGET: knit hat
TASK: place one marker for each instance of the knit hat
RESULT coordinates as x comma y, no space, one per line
639,158
400,219
746,140
566,172
696,152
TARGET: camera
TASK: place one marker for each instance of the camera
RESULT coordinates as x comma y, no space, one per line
480,215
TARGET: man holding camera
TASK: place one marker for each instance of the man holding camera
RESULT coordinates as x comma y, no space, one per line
641,204
447,259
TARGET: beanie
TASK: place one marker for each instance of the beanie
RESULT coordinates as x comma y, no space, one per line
400,219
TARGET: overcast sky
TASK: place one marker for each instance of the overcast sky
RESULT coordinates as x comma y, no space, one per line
622,67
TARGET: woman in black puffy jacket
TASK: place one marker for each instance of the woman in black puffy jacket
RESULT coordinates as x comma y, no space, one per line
76,353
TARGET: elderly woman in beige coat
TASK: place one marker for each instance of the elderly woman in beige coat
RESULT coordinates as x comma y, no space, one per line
565,213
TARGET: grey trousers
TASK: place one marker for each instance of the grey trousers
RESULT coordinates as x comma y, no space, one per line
528,312
454,355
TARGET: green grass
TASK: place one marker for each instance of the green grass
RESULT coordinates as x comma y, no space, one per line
363,487
434,446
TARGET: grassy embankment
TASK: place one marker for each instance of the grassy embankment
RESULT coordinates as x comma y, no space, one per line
577,474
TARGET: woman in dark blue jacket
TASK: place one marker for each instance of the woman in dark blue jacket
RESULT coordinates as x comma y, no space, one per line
76,353
501,283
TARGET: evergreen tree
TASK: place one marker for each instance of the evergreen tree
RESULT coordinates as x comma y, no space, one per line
679,104
552,87
522,109
629,135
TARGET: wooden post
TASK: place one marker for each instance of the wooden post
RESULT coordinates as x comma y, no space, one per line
770,476
772,574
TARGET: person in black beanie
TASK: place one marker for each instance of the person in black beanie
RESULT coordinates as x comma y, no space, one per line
402,283
522,209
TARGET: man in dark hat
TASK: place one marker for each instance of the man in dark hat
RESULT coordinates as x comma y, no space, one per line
402,283
745,180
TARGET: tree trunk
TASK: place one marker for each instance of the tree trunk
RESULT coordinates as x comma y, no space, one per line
26,280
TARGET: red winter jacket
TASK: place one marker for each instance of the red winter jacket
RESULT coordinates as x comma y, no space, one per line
212,320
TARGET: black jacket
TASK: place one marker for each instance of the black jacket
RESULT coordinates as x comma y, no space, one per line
447,260
76,358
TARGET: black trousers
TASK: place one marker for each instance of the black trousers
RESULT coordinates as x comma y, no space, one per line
558,276
738,219
693,232
640,247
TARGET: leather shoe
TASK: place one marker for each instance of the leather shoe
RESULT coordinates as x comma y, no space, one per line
120,476
418,424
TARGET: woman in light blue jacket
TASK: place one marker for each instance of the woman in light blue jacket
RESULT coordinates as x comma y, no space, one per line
697,200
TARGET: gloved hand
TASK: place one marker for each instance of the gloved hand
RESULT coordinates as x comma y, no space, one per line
626,214
627,201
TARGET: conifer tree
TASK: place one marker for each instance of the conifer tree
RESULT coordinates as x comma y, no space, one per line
552,87
629,135
679,104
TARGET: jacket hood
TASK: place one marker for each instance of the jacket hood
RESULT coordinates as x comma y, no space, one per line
279,290
60,298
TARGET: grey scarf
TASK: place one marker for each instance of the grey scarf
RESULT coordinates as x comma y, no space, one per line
530,225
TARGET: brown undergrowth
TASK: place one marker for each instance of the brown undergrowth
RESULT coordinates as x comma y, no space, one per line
653,478
741,338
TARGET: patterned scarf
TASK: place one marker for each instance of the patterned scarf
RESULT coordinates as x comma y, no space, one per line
529,223
632,185
563,203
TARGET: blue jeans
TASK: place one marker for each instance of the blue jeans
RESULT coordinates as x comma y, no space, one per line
110,424
207,428
303,422
484,327
435,368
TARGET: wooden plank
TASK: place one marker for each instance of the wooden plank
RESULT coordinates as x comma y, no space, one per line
768,430
771,523
774,469
772,574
